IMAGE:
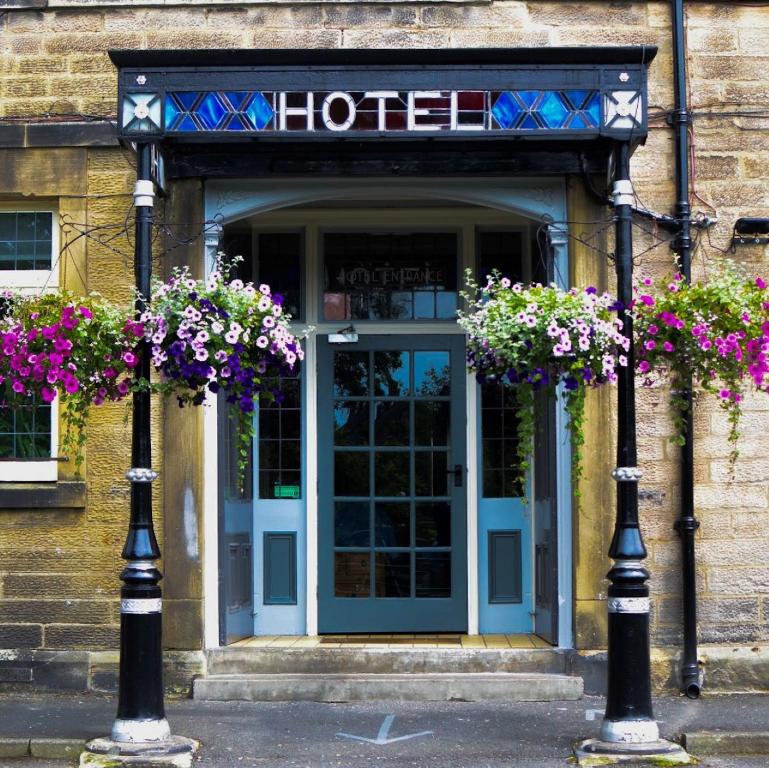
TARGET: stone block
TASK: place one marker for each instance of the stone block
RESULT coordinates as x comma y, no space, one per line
10,747
725,610
81,636
69,43
53,611
744,580
39,65
395,38
194,39
21,636
56,749
79,21
493,37
369,16
290,38
704,41
721,497
21,87
589,14
26,21
717,166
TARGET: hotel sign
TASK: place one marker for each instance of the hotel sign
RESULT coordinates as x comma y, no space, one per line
472,99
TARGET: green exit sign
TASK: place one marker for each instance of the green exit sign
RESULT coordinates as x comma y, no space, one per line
285,492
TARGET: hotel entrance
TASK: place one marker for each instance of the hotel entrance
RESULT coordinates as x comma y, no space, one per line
386,481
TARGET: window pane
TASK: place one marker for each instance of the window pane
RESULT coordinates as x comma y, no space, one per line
432,375
352,574
499,443
350,374
433,574
393,524
280,442
391,374
393,574
25,431
431,473
26,240
392,473
279,259
433,524
431,423
391,425
351,423
502,251
351,473
351,524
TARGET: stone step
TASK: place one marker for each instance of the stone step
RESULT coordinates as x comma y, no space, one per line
258,661
498,686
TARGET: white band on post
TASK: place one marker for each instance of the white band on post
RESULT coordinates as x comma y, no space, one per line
141,605
629,605
144,193
623,192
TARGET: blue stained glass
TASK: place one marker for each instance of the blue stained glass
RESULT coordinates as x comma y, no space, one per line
237,124
552,110
528,98
578,121
529,122
506,110
577,98
210,112
171,113
593,109
186,124
186,99
259,111
236,100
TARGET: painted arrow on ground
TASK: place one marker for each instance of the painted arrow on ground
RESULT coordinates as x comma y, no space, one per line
384,729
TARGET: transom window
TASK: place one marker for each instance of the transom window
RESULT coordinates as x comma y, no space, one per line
389,276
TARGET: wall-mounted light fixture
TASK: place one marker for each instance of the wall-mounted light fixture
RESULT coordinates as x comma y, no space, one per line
346,336
751,230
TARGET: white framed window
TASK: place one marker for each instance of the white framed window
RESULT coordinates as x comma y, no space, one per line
29,246
29,250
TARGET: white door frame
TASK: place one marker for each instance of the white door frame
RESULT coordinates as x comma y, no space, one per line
535,199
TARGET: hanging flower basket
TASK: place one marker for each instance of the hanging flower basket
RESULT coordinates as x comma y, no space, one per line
79,349
533,337
220,334
715,332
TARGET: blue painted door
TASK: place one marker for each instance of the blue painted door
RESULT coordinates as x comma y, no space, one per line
391,488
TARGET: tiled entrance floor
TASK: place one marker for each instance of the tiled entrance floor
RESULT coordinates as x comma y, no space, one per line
393,641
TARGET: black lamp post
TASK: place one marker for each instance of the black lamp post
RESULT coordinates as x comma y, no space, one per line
629,726
140,730
141,715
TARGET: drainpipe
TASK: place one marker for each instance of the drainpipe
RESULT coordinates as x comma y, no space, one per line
687,524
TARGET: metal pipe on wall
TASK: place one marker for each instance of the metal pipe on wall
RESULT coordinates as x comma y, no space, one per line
687,524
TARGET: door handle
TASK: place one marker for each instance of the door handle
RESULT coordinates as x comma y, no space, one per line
458,473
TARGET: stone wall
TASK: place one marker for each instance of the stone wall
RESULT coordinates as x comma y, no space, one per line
53,61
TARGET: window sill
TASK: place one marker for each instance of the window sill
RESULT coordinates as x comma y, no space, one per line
64,495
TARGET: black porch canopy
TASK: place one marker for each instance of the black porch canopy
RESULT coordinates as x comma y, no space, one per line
367,112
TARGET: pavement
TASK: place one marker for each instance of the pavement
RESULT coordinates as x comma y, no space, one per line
390,734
